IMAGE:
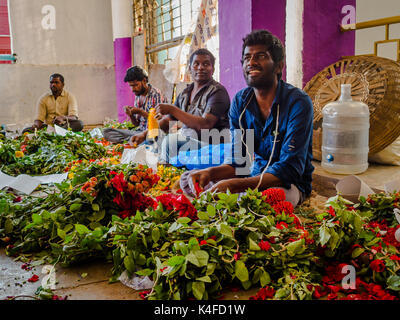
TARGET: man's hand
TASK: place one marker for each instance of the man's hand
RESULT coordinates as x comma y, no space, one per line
163,109
60,120
132,110
202,177
137,139
224,185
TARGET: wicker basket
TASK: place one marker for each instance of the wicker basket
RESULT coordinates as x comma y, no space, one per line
374,81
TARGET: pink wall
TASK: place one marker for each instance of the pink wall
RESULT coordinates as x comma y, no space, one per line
123,61
323,43
236,19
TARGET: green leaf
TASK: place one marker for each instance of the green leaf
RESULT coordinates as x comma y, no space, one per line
8,226
295,247
203,215
225,230
358,223
155,234
145,272
95,207
37,219
202,256
75,207
98,215
129,264
265,279
356,252
393,282
253,245
241,271
198,289
204,279
190,257
81,229
183,220
324,235
211,210
61,233
175,261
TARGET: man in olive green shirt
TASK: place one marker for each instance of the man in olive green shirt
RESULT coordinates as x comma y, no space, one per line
58,107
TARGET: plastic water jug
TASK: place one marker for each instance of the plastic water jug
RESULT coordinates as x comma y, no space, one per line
345,135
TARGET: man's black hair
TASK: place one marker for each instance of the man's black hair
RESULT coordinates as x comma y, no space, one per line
266,38
136,73
202,52
59,76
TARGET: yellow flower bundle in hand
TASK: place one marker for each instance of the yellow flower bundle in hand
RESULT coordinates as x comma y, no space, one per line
152,124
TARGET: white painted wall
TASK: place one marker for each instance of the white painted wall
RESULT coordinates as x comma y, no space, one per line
365,38
80,47
294,42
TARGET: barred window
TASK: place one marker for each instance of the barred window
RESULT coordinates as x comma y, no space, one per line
165,23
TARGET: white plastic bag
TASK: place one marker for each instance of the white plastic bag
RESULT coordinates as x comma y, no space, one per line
141,155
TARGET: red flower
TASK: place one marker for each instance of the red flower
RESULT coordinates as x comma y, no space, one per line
283,206
237,256
319,292
281,225
143,294
264,293
203,242
331,211
34,278
394,258
166,200
274,195
119,182
17,199
377,265
264,245
185,207
332,296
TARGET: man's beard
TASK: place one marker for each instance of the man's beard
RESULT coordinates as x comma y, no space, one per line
261,83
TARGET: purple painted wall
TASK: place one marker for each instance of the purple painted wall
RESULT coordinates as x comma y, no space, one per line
236,19
323,43
123,61
234,23
270,15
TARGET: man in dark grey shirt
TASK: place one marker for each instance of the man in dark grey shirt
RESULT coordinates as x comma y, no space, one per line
203,105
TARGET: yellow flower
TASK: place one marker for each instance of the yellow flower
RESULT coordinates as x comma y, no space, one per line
19,154
73,168
70,175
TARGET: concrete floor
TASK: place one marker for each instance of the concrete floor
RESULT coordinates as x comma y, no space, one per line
84,282
95,286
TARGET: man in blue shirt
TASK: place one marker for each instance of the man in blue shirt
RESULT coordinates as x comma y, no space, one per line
271,126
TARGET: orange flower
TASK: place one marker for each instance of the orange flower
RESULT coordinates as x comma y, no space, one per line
19,154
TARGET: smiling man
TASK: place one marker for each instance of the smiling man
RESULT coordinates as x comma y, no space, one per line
203,105
280,118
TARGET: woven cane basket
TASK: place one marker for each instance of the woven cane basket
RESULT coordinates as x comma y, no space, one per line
374,81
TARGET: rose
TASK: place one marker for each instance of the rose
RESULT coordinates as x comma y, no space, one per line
377,265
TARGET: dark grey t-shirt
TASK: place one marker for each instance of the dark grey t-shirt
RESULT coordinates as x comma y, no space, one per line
212,98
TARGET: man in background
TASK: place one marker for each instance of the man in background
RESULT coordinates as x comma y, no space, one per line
146,97
57,108
204,104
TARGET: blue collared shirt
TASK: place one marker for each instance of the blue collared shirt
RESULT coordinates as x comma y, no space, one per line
291,160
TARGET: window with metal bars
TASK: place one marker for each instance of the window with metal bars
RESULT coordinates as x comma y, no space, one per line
5,36
165,23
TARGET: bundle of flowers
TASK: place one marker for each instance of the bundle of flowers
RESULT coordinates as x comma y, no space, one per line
46,153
